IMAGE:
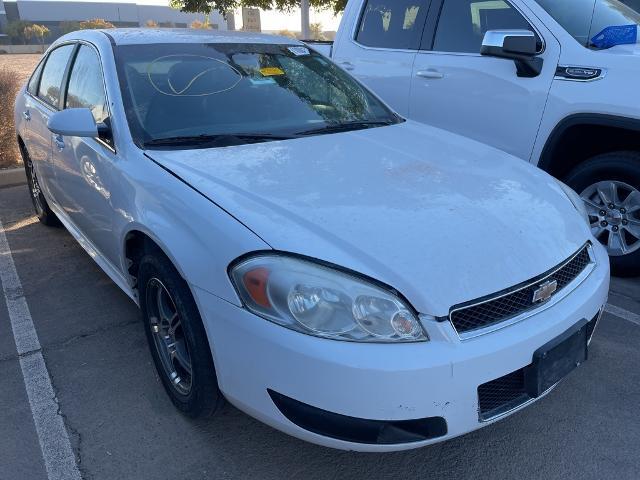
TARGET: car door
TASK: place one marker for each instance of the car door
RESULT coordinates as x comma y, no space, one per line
381,48
84,166
42,100
456,88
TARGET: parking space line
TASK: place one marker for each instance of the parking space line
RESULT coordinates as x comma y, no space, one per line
622,313
58,456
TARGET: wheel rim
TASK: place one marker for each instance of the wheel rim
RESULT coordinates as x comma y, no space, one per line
168,336
614,214
34,187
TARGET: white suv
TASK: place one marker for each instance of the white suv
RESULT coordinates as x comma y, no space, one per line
541,79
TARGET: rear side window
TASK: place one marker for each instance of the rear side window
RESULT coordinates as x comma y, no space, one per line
463,23
396,24
32,88
86,87
52,73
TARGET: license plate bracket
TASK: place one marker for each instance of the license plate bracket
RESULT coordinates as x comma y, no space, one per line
556,359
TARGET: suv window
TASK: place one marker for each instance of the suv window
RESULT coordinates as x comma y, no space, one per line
52,73
463,23
86,87
396,24
585,19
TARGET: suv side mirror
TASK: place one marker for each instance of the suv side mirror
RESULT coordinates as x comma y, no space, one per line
521,46
73,122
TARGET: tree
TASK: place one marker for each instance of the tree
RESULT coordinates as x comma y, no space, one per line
286,33
69,26
316,31
151,24
197,24
95,23
15,31
36,31
224,6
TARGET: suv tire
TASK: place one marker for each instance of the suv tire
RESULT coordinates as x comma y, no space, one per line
599,180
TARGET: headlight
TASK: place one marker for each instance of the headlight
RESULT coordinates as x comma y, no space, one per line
321,301
577,201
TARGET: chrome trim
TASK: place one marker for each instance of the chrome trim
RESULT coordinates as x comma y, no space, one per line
603,74
517,407
600,312
534,311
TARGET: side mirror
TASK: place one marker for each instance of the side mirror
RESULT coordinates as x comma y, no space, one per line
73,122
521,46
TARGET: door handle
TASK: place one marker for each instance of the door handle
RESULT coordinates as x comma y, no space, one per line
59,141
347,65
26,115
430,73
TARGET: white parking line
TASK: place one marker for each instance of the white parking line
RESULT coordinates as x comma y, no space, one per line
57,453
622,313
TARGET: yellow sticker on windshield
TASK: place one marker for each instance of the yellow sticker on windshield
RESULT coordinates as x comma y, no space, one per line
271,71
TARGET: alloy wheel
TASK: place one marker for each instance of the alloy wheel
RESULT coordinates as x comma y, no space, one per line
169,336
614,214
34,187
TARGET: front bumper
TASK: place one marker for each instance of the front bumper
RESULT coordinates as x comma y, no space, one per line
392,383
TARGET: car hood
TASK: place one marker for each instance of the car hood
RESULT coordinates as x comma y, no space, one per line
439,217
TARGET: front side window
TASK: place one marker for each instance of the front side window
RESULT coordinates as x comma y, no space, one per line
586,19
393,24
463,23
86,87
185,93
52,73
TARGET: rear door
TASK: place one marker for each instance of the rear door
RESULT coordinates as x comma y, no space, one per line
456,88
382,46
85,168
42,101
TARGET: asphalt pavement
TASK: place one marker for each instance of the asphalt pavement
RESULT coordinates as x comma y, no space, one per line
121,425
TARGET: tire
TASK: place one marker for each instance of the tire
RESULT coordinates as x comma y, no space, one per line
615,221
195,393
40,205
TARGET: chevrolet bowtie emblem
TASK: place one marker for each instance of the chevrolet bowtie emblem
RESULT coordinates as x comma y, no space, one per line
544,291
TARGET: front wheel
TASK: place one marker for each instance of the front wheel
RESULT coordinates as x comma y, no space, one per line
177,338
609,184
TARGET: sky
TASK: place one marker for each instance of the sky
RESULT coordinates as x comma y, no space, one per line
271,20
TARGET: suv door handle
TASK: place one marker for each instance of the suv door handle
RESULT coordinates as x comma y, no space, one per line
347,65
59,141
26,115
430,73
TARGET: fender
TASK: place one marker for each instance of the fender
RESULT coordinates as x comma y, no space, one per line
594,119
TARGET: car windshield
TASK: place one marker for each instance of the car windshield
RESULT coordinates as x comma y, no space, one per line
215,94
595,24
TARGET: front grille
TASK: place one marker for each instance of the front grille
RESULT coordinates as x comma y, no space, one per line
501,306
501,395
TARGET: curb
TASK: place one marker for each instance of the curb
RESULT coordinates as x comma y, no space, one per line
12,176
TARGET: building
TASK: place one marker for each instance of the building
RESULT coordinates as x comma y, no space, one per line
56,15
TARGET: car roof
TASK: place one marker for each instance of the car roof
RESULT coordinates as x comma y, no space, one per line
134,36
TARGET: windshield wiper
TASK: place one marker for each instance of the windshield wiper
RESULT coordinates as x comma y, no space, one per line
346,127
219,140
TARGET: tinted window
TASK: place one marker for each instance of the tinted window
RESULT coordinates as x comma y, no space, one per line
584,19
397,24
86,87
32,88
463,23
232,90
52,74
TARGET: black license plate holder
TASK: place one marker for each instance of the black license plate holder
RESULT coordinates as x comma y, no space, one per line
556,359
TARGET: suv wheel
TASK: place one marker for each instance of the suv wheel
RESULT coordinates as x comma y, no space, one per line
609,184
177,338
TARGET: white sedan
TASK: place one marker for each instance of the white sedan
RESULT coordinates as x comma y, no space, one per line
351,278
